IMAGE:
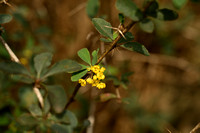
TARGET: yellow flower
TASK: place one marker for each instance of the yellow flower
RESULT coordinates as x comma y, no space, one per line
95,77
88,68
100,76
101,85
82,82
102,69
95,68
96,82
90,81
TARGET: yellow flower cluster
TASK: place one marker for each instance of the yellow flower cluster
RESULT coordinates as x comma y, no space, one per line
97,77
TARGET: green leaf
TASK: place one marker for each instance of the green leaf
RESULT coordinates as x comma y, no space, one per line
115,35
95,56
69,66
147,25
22,78
179,3
100,24
152,9
41,62
84,54
13,68
77,75
5,18
129,9
106,40
121,18
92,8
166,14
27,121
35,110
57,97
129,37
61,128
115,80
72,118
107,96
47,105
137,47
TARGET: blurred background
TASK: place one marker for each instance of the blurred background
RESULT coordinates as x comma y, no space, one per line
163,94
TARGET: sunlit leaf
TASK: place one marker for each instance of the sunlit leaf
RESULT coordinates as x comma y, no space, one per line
105,40
129,9
77,75
69,66
107,96
95,56
5,18
92,8
166,14
103,27
57,97
13,68
84,54
147,25
179,3
41,62
137,47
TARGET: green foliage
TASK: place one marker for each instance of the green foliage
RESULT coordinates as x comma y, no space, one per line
129,9
66,65
166,14
92,8
100,24
129,37
57,97
121,18
27,122
179,3
137,47
147,25
41,62
107,96
85,55
95,56
13,68
105,40
5,18
60,128
78,75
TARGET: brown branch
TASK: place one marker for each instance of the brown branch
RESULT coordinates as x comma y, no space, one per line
195,128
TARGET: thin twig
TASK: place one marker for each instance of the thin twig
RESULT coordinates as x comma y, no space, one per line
15,59
195,128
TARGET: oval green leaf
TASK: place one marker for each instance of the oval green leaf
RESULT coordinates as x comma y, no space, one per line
84,54
92,8
147,25
103,27
78,75
166,14
179,3
5,18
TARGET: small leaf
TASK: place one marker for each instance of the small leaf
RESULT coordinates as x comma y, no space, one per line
179,3
105,40
92,8
100,24
147,25
72,118
35,110
41,62
107,96
47,105
115,35
84,54
77,75
61,128
129,37
57,97
69,66
152,8
13,68
5,18
27,122
137,47
95,56
22,78
129,9
166,14
121,18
